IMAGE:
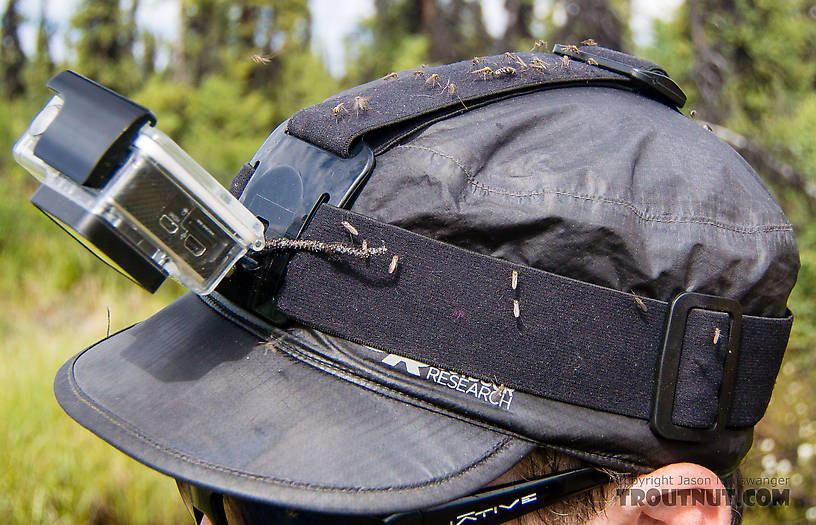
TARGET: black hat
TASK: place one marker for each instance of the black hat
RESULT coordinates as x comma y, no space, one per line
575,262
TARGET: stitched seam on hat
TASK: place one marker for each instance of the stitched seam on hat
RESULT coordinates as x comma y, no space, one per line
242,321
535,271
605,200
128,428
316,361
303,356
310,359
375,387
598,456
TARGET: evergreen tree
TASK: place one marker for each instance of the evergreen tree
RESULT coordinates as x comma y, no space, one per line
149,53
517,34
603,21
101,34
42,65
205,27
268,34
404,33
748,68
130,27
43,49
102,50
12,58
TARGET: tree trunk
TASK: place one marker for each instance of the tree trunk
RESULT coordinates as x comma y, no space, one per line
131,27
180,73
148,53
11,53
43,49
707,72
519,18
594,19
434,25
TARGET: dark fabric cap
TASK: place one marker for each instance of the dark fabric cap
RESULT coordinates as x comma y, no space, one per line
596,184
592,183
195,396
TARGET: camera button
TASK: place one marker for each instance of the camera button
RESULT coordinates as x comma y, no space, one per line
194,246
168,224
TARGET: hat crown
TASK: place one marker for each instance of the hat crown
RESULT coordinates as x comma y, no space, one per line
596,184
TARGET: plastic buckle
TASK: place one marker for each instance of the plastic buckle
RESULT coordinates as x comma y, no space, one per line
291,179
661,422
655,81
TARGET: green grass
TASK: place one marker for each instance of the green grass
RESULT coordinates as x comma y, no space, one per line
53,300
788,429
53,470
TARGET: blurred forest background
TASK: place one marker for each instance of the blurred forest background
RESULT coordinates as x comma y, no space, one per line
238,68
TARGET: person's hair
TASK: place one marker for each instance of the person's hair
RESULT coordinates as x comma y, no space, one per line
585,506
540,462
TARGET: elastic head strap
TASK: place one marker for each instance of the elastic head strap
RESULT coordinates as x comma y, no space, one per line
537,332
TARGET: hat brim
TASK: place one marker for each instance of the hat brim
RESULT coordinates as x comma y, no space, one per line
194,395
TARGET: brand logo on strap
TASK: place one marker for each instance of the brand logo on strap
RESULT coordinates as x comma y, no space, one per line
471,517
485,391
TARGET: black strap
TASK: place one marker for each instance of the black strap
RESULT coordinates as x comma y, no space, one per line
572,341
337,122
241,179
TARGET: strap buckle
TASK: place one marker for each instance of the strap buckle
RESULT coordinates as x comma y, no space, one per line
661,422
655,81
